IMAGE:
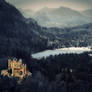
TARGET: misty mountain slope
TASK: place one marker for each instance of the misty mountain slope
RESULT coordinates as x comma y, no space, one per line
60,17
75,36
88,13
67,37
16,33
27,12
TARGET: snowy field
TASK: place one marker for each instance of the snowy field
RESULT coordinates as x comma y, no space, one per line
47,53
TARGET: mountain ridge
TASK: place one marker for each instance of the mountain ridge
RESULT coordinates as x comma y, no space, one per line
60,17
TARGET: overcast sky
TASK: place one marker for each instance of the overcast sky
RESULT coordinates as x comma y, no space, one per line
38,4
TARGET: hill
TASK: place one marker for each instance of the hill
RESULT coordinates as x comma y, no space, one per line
17,32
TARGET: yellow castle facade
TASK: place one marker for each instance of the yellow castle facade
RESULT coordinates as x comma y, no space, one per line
16,69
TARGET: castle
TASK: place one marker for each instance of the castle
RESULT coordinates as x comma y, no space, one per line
16,69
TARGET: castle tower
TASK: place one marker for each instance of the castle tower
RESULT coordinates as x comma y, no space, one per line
9,64
25,69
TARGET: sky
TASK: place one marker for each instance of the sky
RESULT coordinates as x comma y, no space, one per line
36,5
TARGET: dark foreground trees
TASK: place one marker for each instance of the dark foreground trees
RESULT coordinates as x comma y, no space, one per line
62,73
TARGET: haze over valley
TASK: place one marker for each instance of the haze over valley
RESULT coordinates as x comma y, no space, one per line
59,17
56,13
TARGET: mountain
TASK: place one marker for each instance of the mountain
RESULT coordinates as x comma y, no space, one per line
18,33
60,17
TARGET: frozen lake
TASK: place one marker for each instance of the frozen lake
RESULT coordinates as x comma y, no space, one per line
47,53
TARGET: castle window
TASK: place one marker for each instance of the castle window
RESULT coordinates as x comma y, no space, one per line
20,72
10,71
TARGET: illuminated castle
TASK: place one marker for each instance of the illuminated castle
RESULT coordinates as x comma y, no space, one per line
16,69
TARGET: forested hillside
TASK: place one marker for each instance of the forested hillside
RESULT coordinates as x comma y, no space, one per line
16,33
